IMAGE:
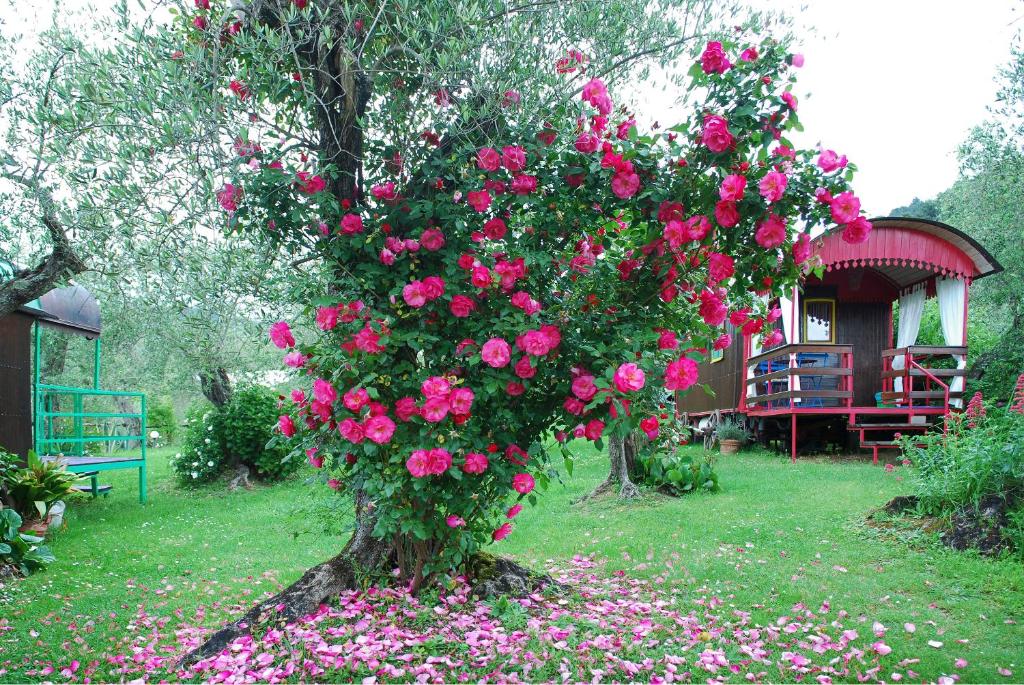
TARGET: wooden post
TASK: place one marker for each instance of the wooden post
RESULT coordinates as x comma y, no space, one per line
792,437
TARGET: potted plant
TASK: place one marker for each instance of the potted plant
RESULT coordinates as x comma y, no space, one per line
731,436
34,490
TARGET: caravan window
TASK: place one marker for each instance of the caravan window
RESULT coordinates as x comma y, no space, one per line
819,320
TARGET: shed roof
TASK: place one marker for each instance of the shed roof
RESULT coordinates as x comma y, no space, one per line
907,251
72,308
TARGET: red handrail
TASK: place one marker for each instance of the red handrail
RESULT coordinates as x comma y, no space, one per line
945,390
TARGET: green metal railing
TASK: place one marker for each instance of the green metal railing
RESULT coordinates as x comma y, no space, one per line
48,438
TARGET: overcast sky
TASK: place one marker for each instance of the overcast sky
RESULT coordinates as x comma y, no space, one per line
894,84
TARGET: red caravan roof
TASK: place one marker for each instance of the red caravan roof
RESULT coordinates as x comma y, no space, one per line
908,251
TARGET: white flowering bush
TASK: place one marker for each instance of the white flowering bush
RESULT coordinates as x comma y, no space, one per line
202,457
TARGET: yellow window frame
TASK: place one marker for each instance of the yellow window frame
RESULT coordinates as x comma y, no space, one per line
832,320
716,355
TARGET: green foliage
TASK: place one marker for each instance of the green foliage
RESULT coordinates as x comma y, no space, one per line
34,488
677,471
21,550
202,457
247,424
729,429
918,209
160,418
979,455
240,432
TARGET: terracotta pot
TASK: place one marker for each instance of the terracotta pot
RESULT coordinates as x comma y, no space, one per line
729,446
37,527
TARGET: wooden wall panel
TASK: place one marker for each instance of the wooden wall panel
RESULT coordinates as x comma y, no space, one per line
865,326
16,383
724,377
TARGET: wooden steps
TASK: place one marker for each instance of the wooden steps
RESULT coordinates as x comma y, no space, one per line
888,426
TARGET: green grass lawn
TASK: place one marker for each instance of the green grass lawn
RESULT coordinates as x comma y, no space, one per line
776,535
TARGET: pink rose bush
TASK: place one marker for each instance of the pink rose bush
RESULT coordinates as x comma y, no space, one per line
549,280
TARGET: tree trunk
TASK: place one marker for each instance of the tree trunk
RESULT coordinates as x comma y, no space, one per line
60,264
363,557
622,469
216,385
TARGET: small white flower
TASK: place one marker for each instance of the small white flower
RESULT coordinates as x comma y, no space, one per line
154,435
195,475
209,463
207,441
178,455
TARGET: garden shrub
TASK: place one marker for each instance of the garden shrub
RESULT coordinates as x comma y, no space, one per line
23,551
980,455
240,432
677,471
160,418
247,423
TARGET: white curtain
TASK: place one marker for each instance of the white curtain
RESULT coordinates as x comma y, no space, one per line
755,349
911,309
791,327
952,294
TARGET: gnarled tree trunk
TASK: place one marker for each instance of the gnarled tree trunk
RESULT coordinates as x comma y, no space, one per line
363,557
216,385
622,469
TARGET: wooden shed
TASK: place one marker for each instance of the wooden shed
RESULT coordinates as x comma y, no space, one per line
842,370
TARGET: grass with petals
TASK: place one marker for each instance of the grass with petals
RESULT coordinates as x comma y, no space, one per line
134,585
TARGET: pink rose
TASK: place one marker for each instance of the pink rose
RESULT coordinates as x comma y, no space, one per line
501,532
514,389
295,359
460,401
351,224
650,427
587,143
573,406
435,386
495,229
432,240
326,318
406,408
726,213
513,158
324,392
418,463
514,511
667,341
229,196
454,521
802,248
286,425
629,377
476,462
488,159
355,399
462,306
435,409
712,309
583,387
715,134
524,369
625,184
414,295
681,374
845,207
524,184
829,161
773,186
438,461
351,430
714,60
281,335
771,232
379,429
732,188
857,231
315,460
594,429
522,483
480,277
722,342
433,287
479,200
496,353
